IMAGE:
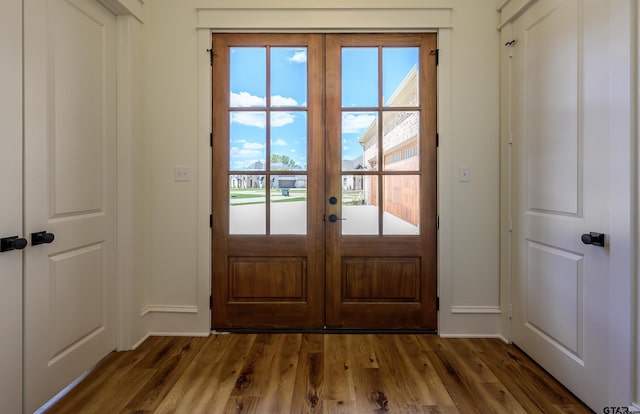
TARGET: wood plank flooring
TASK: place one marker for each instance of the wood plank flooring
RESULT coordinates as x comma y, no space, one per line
319,373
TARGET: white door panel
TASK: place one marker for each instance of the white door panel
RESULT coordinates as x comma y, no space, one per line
11,205
560,130
70,85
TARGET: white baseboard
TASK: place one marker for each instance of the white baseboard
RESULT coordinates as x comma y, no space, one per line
168,309
198,334
137,344
475,336
476,309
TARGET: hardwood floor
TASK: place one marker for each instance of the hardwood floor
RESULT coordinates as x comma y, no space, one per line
319,373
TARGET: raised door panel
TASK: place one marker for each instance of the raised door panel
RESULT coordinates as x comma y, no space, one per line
70,84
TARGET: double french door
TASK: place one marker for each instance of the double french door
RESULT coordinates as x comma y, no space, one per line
324,181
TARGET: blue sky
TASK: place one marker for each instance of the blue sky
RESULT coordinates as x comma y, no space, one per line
289,88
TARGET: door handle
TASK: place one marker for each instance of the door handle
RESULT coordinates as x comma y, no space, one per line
12,243
41,237
597,239
333,218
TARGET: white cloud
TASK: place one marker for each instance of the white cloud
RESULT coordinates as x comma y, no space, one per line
254,119
253,146
356,123
278,100
293,150
345,148
279,143
280,119
245,99
300,56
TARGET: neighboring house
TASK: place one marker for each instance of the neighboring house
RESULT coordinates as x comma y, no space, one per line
400,153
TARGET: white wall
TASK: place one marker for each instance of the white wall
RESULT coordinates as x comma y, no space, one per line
11,205
176,295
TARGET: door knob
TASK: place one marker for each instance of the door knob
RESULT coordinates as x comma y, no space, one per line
333,218
597,239
333,200
12,243
41,237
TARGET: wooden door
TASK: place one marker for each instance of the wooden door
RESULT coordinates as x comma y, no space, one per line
381,248
560,132
70,142
281,256
267,181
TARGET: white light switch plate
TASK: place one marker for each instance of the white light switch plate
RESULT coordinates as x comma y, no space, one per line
465,174
182,173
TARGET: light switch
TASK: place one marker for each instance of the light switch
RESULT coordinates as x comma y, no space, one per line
182,173
465,174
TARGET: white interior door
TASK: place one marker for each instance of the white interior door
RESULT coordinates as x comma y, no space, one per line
11,205
560,167
70,126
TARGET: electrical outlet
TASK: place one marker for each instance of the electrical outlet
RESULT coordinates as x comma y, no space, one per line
182,173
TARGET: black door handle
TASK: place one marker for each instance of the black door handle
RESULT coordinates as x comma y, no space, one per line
333,218
41,237
12,243
597,239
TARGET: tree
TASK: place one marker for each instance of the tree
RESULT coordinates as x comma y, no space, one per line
285,160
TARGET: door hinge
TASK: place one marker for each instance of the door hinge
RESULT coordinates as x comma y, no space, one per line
510,45
211,139
437,222
510,311
437,140
438,303
210,56
436,53
210,302
510,224
210,221
510,137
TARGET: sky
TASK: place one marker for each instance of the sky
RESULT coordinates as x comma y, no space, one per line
289,89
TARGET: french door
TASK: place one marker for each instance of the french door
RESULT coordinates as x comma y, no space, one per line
324,181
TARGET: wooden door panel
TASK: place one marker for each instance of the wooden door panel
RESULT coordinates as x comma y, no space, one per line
267,280
383,280
390,279
274,279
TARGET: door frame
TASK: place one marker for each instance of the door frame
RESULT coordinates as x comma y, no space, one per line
327,20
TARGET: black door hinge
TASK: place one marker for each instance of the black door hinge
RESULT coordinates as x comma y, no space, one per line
210,56
211,139
437,140
437,222
210,302
437,303
210,221
436,53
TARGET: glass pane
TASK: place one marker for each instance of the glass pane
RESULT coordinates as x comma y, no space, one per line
247,141
359,204
401,205
248,77
288,141
359,77
288,204
400,141
288,76
247,207
400,76
359,141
